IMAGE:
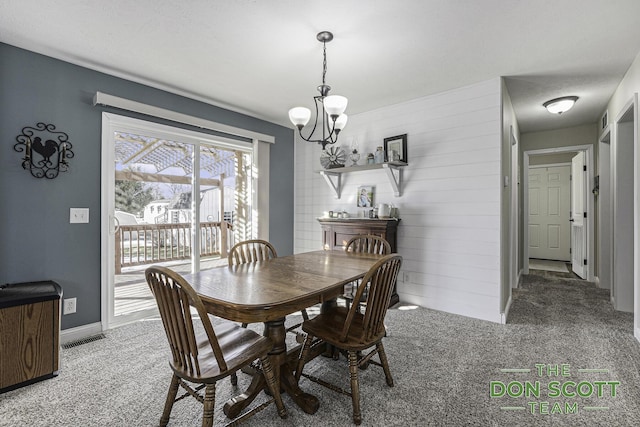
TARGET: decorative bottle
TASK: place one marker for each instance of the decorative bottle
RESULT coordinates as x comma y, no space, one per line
370,159
379,155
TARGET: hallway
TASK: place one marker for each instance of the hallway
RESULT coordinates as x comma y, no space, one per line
555,298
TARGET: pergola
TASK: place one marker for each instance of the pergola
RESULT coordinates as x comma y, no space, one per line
173,164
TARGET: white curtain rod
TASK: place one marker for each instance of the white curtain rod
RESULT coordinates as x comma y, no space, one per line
138,107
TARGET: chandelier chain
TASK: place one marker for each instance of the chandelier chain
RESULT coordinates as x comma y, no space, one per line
324,62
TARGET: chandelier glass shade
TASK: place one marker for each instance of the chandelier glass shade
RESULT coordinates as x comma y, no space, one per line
330,118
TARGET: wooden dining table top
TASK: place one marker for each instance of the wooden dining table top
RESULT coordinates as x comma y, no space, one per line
267,290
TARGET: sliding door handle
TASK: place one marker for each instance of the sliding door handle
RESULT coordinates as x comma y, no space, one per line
115,225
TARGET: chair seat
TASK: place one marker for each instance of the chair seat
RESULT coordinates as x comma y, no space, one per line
328,326
239,346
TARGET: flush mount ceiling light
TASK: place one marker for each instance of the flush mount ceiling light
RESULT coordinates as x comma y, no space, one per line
329,108
560,105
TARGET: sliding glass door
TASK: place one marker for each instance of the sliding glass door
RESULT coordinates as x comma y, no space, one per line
173,198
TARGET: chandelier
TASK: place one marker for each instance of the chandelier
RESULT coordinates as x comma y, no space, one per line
330,115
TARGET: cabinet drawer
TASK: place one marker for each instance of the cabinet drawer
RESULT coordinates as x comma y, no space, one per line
341,239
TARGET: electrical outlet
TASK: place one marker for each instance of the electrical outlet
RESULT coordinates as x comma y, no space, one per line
406,277
69,306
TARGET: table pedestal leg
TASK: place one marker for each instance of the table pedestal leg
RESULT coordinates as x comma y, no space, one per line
275,330
234,406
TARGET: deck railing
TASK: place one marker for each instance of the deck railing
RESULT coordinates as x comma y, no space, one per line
152,243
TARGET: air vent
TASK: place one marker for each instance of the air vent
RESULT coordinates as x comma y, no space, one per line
83,341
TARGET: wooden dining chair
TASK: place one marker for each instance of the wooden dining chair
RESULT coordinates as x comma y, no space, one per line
199,360
250,251
364,243
368,243
253,251
354,332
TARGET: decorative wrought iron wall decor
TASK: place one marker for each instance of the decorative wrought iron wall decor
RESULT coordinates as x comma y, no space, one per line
45,150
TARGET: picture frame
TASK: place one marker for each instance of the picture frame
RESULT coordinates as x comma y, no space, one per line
364,196
395,149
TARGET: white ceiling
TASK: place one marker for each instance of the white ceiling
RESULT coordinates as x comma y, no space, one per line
262,57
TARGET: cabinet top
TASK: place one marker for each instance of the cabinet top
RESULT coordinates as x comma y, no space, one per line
356,219
13,294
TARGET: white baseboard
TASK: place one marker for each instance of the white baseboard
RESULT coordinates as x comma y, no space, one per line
84,331
505,315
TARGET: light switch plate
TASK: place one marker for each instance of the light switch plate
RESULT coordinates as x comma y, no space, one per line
78,215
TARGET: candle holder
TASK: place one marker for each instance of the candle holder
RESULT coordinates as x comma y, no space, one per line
45,150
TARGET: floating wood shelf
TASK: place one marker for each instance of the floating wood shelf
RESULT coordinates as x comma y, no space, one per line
333,177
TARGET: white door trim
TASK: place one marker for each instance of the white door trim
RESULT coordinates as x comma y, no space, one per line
588,149
605,213
105,99
550,165
620,294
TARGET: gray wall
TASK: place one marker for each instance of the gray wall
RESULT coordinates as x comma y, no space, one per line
38,243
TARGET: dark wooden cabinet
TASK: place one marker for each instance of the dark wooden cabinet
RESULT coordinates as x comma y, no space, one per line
337,232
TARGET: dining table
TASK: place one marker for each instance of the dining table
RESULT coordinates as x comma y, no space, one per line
268,291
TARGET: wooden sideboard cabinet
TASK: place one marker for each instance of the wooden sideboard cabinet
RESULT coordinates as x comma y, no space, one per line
337,232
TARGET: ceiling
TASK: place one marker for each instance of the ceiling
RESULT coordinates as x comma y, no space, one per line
262,57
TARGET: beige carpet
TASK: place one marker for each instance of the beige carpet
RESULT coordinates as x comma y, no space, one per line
547,265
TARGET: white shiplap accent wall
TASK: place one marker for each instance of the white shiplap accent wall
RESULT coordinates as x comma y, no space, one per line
449,235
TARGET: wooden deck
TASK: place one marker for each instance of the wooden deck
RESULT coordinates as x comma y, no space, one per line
132,292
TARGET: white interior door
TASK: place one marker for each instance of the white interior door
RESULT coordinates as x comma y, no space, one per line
578,229
549,231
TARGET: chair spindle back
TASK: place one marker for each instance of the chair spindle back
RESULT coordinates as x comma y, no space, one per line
380,279
251,251
174,297
368,243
